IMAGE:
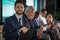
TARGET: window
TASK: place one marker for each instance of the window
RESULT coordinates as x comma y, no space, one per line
30,2
7,9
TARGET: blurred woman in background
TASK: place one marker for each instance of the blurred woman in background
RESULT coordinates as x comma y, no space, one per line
52,27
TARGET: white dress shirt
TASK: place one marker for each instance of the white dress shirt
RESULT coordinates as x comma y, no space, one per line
19,16
41,21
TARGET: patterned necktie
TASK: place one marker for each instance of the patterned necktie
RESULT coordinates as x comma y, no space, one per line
19,21
31,24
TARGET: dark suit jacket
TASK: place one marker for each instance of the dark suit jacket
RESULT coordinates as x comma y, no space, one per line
32,33
10,28
27,24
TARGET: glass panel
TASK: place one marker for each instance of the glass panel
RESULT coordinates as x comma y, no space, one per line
35,5
7,8
30,2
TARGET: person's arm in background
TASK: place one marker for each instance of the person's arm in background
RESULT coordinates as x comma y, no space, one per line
58,24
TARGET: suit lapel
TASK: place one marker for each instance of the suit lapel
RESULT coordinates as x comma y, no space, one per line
25,21
15,19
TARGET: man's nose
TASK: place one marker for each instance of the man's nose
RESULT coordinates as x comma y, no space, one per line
20,8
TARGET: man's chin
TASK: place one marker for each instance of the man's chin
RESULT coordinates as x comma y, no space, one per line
19,13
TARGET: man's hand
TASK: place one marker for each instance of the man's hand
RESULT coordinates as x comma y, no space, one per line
24,29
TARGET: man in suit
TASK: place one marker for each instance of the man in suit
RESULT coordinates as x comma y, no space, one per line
31,34
13,25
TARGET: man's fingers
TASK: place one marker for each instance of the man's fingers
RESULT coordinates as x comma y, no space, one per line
24,29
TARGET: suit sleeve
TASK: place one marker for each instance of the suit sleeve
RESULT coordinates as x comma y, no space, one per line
7,29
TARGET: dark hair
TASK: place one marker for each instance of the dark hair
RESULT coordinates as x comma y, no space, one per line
36,14
19,1
43,10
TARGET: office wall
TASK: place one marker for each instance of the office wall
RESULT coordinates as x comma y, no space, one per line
51,7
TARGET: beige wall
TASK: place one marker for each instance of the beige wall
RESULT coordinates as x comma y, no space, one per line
1,28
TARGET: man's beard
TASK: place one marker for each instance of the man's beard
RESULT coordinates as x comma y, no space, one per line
19,13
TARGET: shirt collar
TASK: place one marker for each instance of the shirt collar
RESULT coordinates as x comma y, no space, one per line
18,16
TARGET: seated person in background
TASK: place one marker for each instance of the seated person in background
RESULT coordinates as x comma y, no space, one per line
39,28
37,13
53,27
51,23
42,17
41,20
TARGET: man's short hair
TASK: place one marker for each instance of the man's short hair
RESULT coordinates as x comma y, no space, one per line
19,1
43,10
36,14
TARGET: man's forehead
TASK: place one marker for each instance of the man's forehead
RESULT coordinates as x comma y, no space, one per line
45,11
